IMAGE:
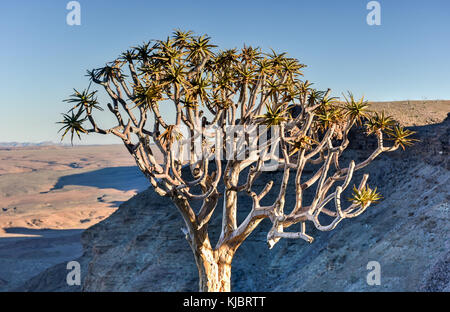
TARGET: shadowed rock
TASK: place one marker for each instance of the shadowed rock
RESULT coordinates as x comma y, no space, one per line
141,247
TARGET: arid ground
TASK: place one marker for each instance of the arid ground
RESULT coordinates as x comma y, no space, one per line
50,194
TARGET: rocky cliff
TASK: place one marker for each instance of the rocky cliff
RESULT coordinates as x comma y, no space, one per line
141,247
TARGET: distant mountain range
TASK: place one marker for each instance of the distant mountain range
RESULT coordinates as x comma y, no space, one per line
24,144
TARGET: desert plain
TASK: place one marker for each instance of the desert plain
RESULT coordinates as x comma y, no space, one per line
50,194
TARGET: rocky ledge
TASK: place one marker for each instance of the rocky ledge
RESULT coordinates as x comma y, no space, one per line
141,247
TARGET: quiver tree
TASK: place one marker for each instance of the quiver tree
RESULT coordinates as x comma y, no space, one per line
235,114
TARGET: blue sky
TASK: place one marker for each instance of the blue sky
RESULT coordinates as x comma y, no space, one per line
42,58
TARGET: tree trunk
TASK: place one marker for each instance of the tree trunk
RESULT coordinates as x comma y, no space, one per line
214,268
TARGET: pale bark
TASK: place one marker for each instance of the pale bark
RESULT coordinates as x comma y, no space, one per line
214,268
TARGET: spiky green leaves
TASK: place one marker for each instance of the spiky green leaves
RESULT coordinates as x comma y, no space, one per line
175,75
186,69
274,116
356,109
328,112
169,136
105,73
74,124
277,59
189,64
365,196
225,59
379,122
245,74
128,56
285,67
182,38
168,52
198,89
148,95
83,100
274,87
328,117
144,51
264,66
219,101
292,68
300,143
400,136
200,48
250,54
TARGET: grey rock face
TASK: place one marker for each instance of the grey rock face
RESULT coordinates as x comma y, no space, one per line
141,247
